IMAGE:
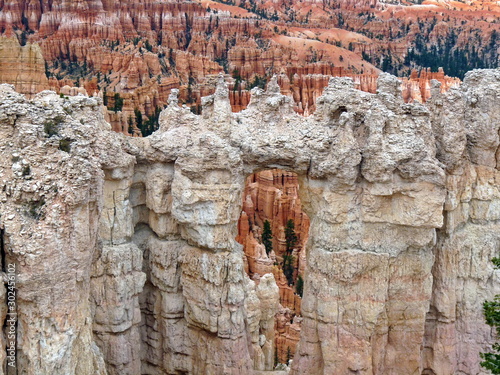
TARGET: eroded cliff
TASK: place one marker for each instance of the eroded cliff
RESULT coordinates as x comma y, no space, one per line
126,252
140,50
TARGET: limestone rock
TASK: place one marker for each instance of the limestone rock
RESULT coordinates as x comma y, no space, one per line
126,252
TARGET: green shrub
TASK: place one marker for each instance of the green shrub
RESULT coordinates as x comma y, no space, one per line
299,286
267,237
65,144
491,312
51,127
26,170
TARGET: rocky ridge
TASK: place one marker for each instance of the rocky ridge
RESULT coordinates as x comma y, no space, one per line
25,68
126,253
142,50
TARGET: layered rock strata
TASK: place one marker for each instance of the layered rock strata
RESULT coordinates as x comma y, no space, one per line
126,253
141,83
23,66
273,196
141,50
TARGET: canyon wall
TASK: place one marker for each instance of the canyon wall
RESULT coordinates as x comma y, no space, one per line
273,196
26,69
125,247
22,66
140,51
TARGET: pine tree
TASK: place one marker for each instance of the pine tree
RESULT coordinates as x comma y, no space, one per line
118,103
267,237
290,241
491,361
290,236
130,125
138,121
288,267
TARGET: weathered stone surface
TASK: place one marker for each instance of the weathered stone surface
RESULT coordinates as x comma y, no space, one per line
22,66
126,252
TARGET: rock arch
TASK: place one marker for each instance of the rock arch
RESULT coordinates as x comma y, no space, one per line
402,200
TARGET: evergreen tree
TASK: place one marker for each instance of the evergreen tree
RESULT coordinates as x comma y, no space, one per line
130,125
290,236
138,120
267,237
290,241
491,361
171,59
118,103
288,268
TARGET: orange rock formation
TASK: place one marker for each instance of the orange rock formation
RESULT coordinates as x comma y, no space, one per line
22,66
272,195
143,50
417,87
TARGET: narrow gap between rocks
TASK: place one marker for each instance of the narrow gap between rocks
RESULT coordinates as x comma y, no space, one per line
273,230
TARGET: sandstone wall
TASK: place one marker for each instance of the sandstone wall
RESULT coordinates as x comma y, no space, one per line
126,247
22,66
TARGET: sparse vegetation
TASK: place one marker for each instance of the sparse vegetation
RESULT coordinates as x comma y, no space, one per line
290,236
65,144
148,126
299,286
267,237
491,311
118,105
288,259
26,170
51,127
34,209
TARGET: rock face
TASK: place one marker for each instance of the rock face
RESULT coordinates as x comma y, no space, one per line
125,247
273,196
22,66
418,86
142,50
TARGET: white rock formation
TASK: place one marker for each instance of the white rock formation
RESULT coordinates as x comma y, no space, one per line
126,253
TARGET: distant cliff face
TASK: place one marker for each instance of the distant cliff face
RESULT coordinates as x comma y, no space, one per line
25,68
143,50
126,247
